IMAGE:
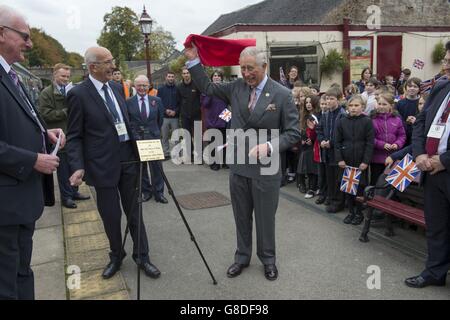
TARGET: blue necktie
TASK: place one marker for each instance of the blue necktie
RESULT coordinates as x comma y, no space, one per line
63,90
110,104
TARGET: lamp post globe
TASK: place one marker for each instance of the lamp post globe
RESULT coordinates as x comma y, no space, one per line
146,24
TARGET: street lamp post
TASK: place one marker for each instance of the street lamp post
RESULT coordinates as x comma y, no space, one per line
146,28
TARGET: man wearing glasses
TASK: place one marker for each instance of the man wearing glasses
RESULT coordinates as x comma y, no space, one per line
24,163
100,150
431,149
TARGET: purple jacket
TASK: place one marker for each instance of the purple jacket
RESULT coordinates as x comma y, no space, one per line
213,107
388,128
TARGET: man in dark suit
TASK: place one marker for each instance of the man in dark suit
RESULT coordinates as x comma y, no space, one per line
100,143
431,149
259,105
53,109
24,162
146,118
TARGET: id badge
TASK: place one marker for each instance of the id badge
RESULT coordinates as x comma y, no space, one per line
121,129
436,131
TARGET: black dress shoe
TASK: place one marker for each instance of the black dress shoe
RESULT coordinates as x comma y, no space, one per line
162,199
146,197
271,272
421,282
111,269
150,270
215,167
79,196
69,203
235,269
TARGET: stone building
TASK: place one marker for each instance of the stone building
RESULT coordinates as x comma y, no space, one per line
386,35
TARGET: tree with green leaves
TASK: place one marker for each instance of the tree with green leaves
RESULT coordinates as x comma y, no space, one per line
121,33
47,52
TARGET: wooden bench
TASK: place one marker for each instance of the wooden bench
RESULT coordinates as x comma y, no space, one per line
409,209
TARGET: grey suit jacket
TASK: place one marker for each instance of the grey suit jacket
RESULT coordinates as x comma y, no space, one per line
275,110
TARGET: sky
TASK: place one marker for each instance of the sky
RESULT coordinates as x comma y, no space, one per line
77,24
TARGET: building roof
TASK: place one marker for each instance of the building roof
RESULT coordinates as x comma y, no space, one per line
278,12
402,13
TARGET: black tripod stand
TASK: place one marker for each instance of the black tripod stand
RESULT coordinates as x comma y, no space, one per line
139,202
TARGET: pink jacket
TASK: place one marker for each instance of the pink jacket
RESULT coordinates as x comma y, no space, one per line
388,128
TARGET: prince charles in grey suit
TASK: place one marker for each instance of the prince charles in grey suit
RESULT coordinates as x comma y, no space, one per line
263,108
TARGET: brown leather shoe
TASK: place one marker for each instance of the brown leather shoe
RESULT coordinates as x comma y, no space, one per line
271,272
235,269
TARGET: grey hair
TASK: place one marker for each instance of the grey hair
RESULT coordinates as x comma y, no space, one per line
90,57
260,55
141,77
8,14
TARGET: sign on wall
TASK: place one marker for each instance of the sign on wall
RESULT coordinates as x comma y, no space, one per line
361,53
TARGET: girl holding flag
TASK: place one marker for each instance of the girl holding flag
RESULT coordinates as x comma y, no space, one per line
353,151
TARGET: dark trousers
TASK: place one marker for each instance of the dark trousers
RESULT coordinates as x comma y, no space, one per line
224,151
334,178
353,205
16,276
312,181
64,173
376,170
157,186
188,124
108,203
437,218
260,196
322,179
289,160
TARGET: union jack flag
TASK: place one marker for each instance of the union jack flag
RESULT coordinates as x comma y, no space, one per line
225,115
350,180
403,174
427,85
283,79
419,64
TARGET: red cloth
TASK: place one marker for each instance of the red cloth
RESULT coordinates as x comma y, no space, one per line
215,52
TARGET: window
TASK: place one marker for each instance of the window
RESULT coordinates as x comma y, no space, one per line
305,56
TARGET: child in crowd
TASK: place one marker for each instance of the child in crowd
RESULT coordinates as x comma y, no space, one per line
408,107
369,95
326,136
315,89
306,165
319,157
354,148
390,134
350,91
399,155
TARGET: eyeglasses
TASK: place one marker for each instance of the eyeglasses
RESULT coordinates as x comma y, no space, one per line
113,61
25,36
446,61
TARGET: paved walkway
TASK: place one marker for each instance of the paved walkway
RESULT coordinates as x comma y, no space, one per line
318,256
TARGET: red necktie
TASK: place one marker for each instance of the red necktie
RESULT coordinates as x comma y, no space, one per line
432,145
143,109
252,102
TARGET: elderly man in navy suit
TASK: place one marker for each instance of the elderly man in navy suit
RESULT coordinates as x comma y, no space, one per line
100,148
24,162
146,118
431,149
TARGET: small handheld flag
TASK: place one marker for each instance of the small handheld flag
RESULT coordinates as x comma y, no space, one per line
225,115
418,64
283,78
350,180
403,174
